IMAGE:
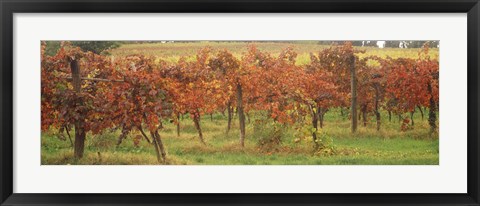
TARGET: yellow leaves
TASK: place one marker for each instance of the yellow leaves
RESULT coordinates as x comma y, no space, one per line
217,85
93,74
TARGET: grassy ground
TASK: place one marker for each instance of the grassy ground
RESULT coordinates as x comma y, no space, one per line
389,146
171,52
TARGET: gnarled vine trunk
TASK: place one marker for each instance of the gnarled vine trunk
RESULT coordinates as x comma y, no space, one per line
122,136
196,121
241,115
432,116
411,117
157,148
178,125
143,134
421,111
377,100
320,114
160,146
68,134
364,114
315,126
229,111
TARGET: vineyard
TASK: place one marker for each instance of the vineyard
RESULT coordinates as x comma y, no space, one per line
240,103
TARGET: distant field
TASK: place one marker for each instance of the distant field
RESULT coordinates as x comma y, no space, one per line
173,51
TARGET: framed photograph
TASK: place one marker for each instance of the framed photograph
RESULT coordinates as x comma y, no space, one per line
265,102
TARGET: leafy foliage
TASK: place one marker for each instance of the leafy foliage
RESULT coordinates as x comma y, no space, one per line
137,91
97,47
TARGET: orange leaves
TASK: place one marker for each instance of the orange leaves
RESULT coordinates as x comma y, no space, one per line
200,86
408,80
152,90
61,106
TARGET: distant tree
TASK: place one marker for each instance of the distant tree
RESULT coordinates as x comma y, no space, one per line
331,42
357,43
96,47
51,47
392,44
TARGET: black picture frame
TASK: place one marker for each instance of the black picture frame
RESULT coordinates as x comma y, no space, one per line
9,7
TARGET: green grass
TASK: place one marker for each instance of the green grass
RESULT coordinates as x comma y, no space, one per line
389,146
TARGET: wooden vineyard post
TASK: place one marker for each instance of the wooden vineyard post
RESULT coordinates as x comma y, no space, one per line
354,93
80,116
79,144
